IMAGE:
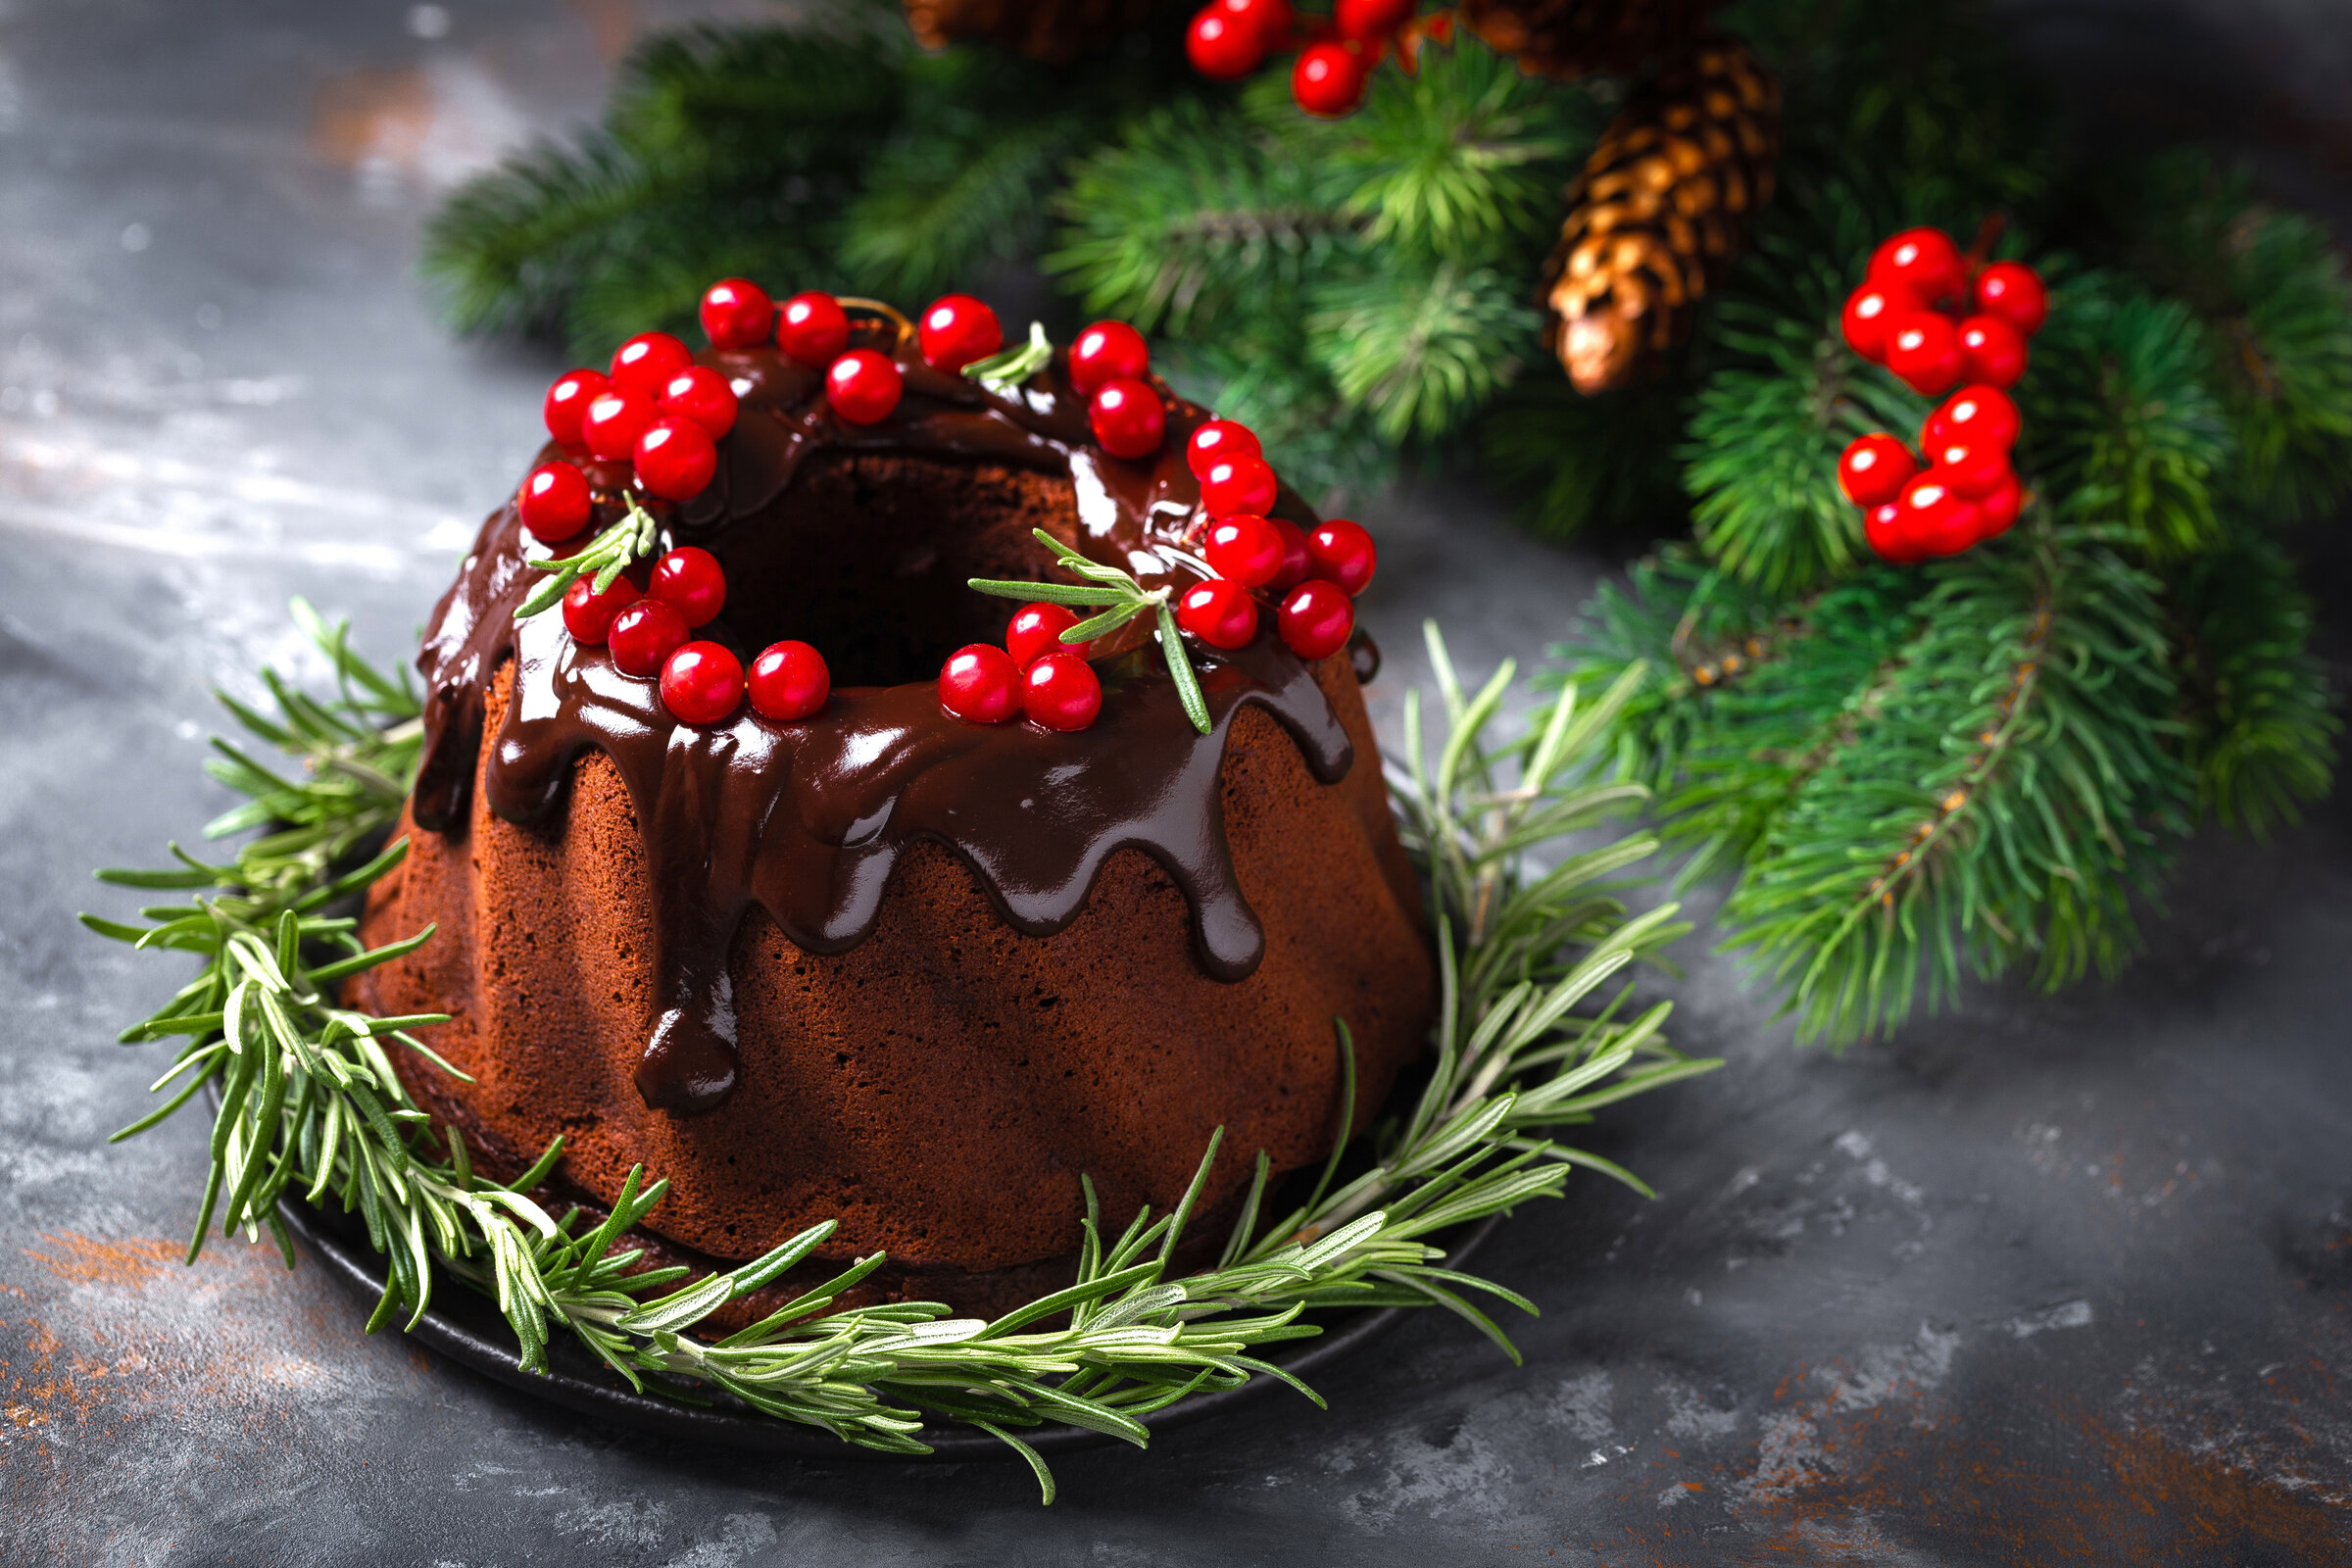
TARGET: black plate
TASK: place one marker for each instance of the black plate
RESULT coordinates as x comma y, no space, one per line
464,1326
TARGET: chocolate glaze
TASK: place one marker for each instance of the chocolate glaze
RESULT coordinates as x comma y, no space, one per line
807,819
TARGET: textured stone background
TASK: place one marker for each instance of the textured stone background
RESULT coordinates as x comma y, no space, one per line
2052,1280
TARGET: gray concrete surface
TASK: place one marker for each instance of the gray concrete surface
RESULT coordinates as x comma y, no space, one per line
2053,1280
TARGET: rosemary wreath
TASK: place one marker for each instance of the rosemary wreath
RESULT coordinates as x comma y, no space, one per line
310,1105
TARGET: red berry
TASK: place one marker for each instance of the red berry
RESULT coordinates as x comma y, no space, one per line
644,365
981,683
2001,506
1220,613
813,330
587,615
701,683
1233,485
1128,418
612,423
703,395
1106,351
1317,619
554,500
1218,438
1939,520
1036,630
1370,20
1244,550
789,681
1924,350
690,582
1981,415
1926,262
737,313
1888,529
2016,293
862,386
1341,552
1972,468
1269,19
1061,691
958,330
675,459
643,636
1996,351
1221,46
568,400
1328,81
1868,312
1295,563
1875,469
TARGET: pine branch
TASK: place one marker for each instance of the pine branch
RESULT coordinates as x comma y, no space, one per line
2276,306
2261,723
723,150
1188,217
1419,355
1749,698
2007,782
1463,159
2121,429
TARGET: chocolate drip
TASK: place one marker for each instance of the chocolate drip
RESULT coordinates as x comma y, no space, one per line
807,819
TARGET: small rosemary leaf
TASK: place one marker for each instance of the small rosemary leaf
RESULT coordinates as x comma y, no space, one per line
1088,1414
1180,669
344,968
1461,1308
1110,620
1639,1083
157,1115
1062,1299
676,1311
112,930
1607,1167
759,1272
1049,593
1269,1369
550,591
540,1168
1192,1194
1238,1243
1332,1248
199,877
806,1303
1135,1306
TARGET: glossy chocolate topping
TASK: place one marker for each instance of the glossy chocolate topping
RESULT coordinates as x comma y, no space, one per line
808,818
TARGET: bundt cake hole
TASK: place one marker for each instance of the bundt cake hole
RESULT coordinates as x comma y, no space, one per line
869,558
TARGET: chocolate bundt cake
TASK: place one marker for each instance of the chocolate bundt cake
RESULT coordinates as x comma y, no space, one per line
882,962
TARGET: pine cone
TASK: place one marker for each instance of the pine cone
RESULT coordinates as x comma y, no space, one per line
1566,38
1659,213
1055,32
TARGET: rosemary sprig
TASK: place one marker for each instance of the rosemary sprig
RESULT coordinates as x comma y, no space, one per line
1118,599
309,1104
631,538
1005,372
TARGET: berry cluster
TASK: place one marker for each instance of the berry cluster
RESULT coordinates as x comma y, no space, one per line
1937,321
1312,577
1966,493
649,632
1229,39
